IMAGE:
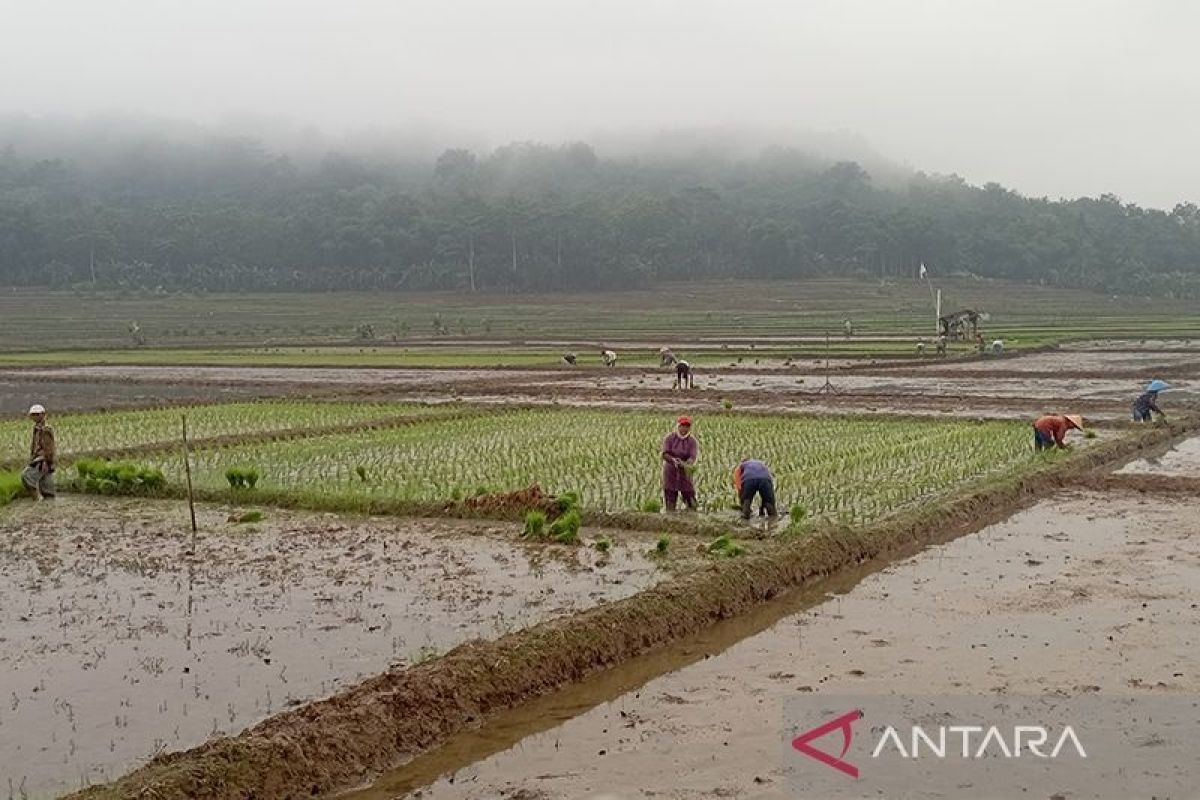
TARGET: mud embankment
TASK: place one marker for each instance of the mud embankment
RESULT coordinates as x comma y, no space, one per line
337,743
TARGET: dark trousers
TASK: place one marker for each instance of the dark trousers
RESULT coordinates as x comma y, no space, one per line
765,489
1042,441
671,496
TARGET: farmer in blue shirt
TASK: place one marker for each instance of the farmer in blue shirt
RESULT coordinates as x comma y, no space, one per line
750,478
1147,402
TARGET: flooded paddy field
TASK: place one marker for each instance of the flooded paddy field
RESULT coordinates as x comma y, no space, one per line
1182,460
1084,595
118,645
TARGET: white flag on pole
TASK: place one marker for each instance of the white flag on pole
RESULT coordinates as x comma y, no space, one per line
924,271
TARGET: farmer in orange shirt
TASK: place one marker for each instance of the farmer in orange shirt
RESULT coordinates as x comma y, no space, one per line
753,477
1048,431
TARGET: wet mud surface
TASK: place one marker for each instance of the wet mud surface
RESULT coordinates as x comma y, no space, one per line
1080,595
115,646
1182,460
17,394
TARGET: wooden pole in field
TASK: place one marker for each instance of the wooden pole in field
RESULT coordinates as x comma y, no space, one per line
187,471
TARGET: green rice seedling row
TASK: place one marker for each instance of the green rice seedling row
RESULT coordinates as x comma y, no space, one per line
836,468
97,432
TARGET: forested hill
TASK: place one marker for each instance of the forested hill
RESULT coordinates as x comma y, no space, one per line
231,214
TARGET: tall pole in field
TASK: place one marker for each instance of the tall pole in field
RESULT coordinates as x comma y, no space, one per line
937,314
187,471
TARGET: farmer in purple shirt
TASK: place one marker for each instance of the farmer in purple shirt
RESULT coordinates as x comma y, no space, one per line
679,454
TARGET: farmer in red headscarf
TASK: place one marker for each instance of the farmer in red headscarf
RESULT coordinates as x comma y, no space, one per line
679,454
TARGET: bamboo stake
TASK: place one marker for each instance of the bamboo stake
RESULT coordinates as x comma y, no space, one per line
187,471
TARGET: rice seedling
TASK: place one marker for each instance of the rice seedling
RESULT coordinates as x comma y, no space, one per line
652,506
724,546
565,529
832,468
663,545
101,431
602,544
535,524
10,487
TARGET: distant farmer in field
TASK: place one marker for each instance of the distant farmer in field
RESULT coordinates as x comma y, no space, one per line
679,454
941,345
1049,430
683,376
750,478
610,358
920,347
665,357
1147,402
570,359
848,327
38,475
998,347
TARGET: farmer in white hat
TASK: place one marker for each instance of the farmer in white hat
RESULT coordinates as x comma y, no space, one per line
38,476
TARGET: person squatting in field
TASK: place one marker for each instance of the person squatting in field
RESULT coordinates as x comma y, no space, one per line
1147,402
1049,430
679,454
753,477
683,376
38,475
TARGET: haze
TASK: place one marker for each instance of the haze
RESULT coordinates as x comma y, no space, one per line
1058,99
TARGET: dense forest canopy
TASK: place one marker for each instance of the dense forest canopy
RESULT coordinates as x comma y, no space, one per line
229,213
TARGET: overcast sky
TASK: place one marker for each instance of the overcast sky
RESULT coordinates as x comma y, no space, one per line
1047,96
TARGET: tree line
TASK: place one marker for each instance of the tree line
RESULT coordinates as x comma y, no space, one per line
231,215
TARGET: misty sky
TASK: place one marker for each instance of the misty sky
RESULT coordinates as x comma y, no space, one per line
1056,98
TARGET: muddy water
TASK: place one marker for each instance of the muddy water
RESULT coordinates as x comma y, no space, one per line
1083,594
1152,363
116,646
17,394
1183,460
256,375
859,383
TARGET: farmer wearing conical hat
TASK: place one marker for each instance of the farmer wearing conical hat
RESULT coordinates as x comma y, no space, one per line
679,454
38,475
1049,431
1147,402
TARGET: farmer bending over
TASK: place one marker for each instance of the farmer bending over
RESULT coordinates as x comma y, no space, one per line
683,376
750,478
1147,402
570,358
679,454
1048,431
38,476
665,357
610,358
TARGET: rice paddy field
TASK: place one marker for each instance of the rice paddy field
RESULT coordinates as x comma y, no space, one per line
113,431
840,467
363,585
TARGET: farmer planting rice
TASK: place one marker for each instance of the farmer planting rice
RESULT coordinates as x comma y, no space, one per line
679,454
683,376
610,358
1049,430
753,477
1147,402
38,476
